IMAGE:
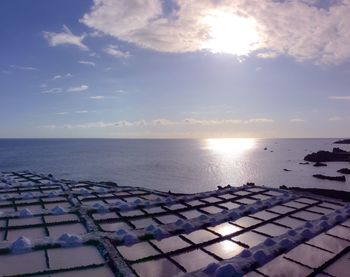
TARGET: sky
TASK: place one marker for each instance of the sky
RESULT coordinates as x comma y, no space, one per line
174,68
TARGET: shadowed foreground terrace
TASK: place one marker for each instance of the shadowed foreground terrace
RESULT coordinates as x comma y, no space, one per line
52,227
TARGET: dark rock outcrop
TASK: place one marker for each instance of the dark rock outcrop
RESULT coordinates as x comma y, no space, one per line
331,178
343,195
318,164
344,171
285,169
343,141
337,155
305,163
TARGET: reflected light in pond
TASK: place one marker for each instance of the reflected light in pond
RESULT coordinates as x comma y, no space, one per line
229,246
230,146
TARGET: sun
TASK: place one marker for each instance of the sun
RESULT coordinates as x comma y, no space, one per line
230,33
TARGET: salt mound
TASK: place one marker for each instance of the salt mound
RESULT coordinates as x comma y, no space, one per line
260,256
150,228
269,242
129,239
52,194
70,239
120,232
211,268
203,217
58,210
25,213
28,195
22,243
179,222
124,207
245,253
137,201
102,190
227,270
84,191
100,208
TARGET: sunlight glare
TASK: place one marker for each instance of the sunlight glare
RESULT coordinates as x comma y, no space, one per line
230,33
230,146
229,247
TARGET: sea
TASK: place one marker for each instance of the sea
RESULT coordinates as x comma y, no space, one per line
178,165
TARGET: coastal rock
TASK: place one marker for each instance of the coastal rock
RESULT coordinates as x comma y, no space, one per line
318,164
344,171
337,155
305,163
331,178
342,141
285,169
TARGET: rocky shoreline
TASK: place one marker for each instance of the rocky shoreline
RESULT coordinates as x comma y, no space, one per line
337,155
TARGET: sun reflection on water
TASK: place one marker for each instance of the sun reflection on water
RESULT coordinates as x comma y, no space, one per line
230,146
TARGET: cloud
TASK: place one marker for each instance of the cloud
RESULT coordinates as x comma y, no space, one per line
49,126
78,88
297,120
99,124
165,122
65,37
260,120
53,91
77,112
29,68
121,91
87,63
115,52
306,30
335,118
344,97
65,76
97,97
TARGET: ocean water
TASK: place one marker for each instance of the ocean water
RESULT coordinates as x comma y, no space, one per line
176,165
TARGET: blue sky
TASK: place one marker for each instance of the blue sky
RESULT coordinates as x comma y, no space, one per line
174,69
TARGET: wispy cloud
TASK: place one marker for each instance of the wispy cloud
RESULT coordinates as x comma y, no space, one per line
76,112
52,91
120,91
87,63
297,120
97,97
335,118
343,97
114,51
65,37
20,67
48,126
78,88
65,76
168,122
